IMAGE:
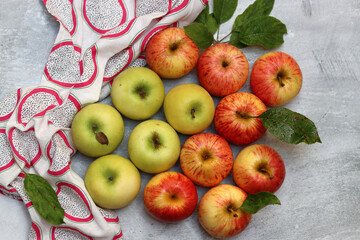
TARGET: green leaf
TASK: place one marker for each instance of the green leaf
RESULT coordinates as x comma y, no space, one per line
224,10
289,126
44,199
257,9
266,31
254,202
199,33
208,20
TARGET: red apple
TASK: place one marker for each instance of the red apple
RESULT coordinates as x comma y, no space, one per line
222,69
206,158
276,78
219,211
259,168
170,197
234,118
171,53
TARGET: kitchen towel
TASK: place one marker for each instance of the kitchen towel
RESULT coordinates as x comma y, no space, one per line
97,39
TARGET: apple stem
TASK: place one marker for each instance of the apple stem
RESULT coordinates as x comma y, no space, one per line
244,115
193,113
265,171
156,140
279,78
232,211
225,37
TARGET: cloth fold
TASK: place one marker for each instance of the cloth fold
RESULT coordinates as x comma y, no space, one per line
97,39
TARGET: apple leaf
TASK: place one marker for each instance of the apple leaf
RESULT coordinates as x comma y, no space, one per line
200,34
257,9
208,20
224,10
254,202
265,31
44,199
289,126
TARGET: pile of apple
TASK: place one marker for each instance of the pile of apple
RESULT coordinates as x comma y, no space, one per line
206,159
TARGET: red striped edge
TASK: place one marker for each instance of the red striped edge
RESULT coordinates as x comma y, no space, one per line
69,228
118,236
101,31
73,17
83,197
112,220
36,158
7,116
66,168
131,56
12,161
178,8
42,113
37,230
119,34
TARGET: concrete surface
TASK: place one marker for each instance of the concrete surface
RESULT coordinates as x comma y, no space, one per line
321,193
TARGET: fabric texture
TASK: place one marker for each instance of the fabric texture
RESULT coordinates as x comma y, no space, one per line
97,39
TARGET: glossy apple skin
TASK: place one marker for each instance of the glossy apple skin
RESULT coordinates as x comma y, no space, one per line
189,108
149,156
232,118
222,69
259,168
276,78
206,158
138,93
171,53
170,197
103,118
112,181
219,211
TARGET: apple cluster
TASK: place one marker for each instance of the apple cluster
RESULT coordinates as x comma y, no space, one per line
206,159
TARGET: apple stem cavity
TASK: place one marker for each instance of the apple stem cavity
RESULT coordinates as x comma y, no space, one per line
174,46
193,113
156,140
244,115
141,93
233,211
280,77
100,136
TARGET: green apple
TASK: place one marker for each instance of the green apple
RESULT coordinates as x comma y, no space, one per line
154,146
112,181
189,108
97,130
138,93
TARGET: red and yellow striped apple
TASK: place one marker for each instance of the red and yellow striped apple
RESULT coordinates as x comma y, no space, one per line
276,78
259,168
219,211
222,69
234,118
170,197
171,53
206,158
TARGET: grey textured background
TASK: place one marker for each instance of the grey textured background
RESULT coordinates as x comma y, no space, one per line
321,193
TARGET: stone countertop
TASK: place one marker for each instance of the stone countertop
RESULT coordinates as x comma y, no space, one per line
321,192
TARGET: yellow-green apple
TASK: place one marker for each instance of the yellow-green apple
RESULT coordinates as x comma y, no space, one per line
222,69
138,93
276,78
170,197
234,118
97,130
112,181
259,168
219,211
154,146
171,53
189,108
206,158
